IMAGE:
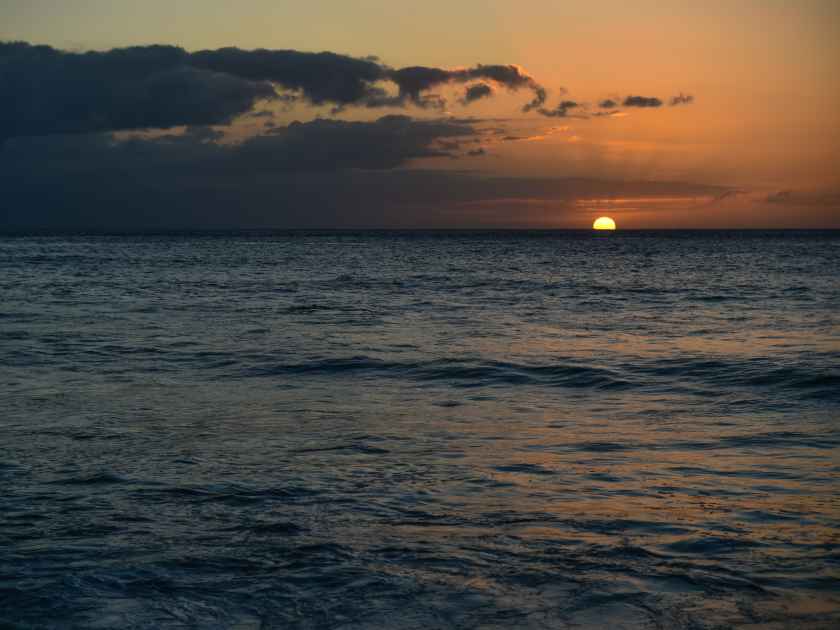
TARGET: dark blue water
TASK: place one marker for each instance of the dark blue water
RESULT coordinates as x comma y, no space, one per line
385,430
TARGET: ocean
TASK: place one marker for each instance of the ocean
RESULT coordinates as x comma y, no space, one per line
420,430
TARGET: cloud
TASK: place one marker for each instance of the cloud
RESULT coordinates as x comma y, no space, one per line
611,105
681,99
315,146
541,134
477,152
477,92
783,196
326,145
561,111
820,198
49,91
414,80
729,194
192,181
642,101
321,78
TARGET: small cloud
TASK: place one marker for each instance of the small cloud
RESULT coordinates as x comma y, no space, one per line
561,111
783,196
642,101
824,198
611,114
608,103
729,194
477,92
414,80
724,196
681,99
537,137
477,152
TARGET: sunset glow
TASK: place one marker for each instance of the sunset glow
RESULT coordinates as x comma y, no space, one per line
684,117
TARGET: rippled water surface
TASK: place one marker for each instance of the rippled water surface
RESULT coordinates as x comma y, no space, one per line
384,430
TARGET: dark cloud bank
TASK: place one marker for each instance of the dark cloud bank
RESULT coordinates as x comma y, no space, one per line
48,91
320,174
61,167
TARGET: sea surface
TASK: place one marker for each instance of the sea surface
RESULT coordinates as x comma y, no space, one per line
420,430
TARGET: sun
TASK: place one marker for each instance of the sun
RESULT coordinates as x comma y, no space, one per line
603,223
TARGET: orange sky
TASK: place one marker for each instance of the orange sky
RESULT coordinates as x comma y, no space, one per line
764,74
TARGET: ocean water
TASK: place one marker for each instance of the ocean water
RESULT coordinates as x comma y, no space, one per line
420,430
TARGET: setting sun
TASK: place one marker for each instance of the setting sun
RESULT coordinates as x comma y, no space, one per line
603,223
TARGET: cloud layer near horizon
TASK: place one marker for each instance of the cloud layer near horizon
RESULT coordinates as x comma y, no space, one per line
318,175
315,146
305,175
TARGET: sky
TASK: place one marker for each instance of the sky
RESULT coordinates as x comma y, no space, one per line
463,114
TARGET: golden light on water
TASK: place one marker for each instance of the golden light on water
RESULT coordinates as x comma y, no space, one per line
603,223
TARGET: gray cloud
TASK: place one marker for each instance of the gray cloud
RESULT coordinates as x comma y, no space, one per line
322,78
681,99
49,91
413,81
642,101
645,101
191,181
477,92
729,194
315,146
561,111
299,174
783,196
322,144
821,198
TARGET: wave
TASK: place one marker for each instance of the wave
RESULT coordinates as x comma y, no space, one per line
462,373
713,376
102,478
812,377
